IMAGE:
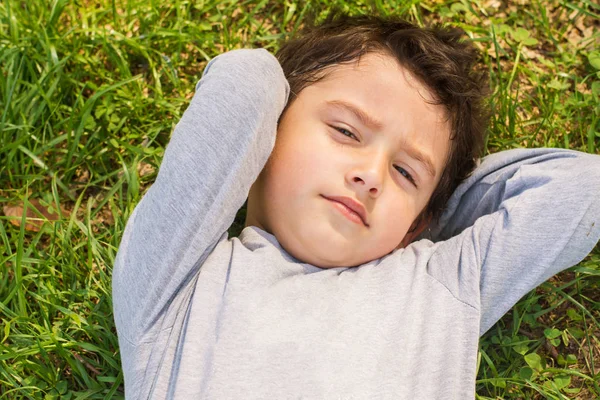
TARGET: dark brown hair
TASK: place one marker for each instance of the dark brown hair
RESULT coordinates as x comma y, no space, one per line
440,57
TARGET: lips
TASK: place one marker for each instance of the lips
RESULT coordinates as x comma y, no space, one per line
352,205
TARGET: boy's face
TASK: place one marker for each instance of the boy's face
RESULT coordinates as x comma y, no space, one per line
325,149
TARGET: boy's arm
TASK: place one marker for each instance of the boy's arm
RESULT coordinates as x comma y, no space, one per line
523,216
216,152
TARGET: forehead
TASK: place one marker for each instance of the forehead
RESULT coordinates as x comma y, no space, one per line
381,87
373,72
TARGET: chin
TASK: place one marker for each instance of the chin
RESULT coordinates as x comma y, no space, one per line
307,246
301,254
326,264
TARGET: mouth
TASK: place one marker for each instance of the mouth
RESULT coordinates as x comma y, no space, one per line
350,208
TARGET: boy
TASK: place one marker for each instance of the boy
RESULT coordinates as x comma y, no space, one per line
327,294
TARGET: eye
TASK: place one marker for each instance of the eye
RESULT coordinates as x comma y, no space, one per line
406,174
345,132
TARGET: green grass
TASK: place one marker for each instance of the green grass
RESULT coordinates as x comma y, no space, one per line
90,91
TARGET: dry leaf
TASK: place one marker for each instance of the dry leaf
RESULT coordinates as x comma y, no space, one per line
33,221
492,51
145,169
530,53
574,37
104,217
493,4
82,175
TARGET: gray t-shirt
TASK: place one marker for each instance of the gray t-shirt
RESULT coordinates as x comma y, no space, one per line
201,316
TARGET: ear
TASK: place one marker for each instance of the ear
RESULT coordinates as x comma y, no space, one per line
415,230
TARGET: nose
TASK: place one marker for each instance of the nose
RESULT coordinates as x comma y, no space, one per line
368,176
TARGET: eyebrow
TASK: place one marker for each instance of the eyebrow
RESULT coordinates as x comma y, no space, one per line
372,122
422,158
362,116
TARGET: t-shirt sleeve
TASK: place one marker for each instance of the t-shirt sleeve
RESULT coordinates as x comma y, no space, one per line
523,216
216,152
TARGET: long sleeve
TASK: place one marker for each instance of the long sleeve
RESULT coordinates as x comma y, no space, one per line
215,154
523,216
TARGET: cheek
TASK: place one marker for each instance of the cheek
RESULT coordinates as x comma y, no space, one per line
395,218
302,155
289,170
